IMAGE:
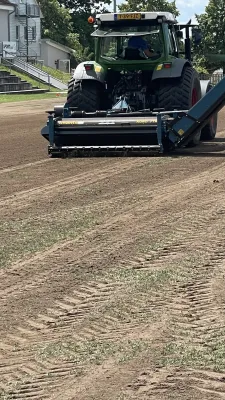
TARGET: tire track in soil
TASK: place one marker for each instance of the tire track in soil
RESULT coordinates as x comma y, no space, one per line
166,253
164,381
44,172
196,316
86,178
174,383
66,312
39,375
73,308
24,166
20,199
56,323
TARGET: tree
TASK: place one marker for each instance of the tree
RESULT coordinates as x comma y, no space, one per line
84,5
57,23
150,5
82,27
212,24
80,10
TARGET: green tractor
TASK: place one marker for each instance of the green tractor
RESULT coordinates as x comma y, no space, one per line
139,65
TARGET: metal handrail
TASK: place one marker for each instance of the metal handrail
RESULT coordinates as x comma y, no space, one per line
30,66
27,67
11,65
36,73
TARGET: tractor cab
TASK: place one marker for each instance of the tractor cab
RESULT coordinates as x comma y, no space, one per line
135,38
130,43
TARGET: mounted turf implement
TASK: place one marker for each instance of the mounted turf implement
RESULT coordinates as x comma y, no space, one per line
120,101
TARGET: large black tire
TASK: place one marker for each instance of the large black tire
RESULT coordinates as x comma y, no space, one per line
209,130
181,94
85,95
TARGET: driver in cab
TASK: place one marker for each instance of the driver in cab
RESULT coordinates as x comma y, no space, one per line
137,42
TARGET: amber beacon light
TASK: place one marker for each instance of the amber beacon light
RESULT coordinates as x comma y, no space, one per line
91,20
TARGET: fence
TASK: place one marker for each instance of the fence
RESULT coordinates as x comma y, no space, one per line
35,73
214,78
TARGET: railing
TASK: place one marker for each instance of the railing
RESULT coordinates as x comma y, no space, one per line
10,65
29,10
214,78
61,75
30,33
36,73
22,53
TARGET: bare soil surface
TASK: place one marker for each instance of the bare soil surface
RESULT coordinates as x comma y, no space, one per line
112,270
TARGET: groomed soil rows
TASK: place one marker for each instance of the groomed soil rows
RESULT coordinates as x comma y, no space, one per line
111,270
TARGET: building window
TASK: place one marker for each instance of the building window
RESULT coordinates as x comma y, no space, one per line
33,32
33,10
25,33
17,32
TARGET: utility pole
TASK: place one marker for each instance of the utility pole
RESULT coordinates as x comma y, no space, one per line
27,23
114,6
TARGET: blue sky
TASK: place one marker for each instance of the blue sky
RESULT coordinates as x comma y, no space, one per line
187,8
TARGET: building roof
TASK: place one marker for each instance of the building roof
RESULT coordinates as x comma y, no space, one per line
6,3
57,45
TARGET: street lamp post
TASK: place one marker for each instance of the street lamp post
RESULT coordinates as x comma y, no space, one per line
27,25
114,6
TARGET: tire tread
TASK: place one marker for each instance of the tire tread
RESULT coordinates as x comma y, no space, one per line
84,95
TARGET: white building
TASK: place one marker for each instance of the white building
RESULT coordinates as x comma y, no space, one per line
20,23
20,35
56,55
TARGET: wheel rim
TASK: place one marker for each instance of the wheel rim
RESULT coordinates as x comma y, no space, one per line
194,99
213,121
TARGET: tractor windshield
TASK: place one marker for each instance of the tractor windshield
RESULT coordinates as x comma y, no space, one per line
131,42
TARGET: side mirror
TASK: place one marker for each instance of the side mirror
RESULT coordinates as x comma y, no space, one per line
179,34
196,36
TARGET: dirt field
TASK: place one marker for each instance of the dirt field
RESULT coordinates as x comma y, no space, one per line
112,270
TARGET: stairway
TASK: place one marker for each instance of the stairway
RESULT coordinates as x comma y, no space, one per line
26,15
10,84
36,73
26,19
39,74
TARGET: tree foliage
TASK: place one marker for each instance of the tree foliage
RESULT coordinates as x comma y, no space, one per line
212,24
56,24
79,11
84,5
81,26
150,5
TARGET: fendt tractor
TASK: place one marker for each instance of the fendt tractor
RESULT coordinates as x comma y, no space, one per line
141,94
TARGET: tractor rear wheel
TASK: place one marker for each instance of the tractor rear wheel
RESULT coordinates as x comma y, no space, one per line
181,94
209,130
84,95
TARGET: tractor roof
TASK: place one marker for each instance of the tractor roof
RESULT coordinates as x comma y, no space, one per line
142,16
